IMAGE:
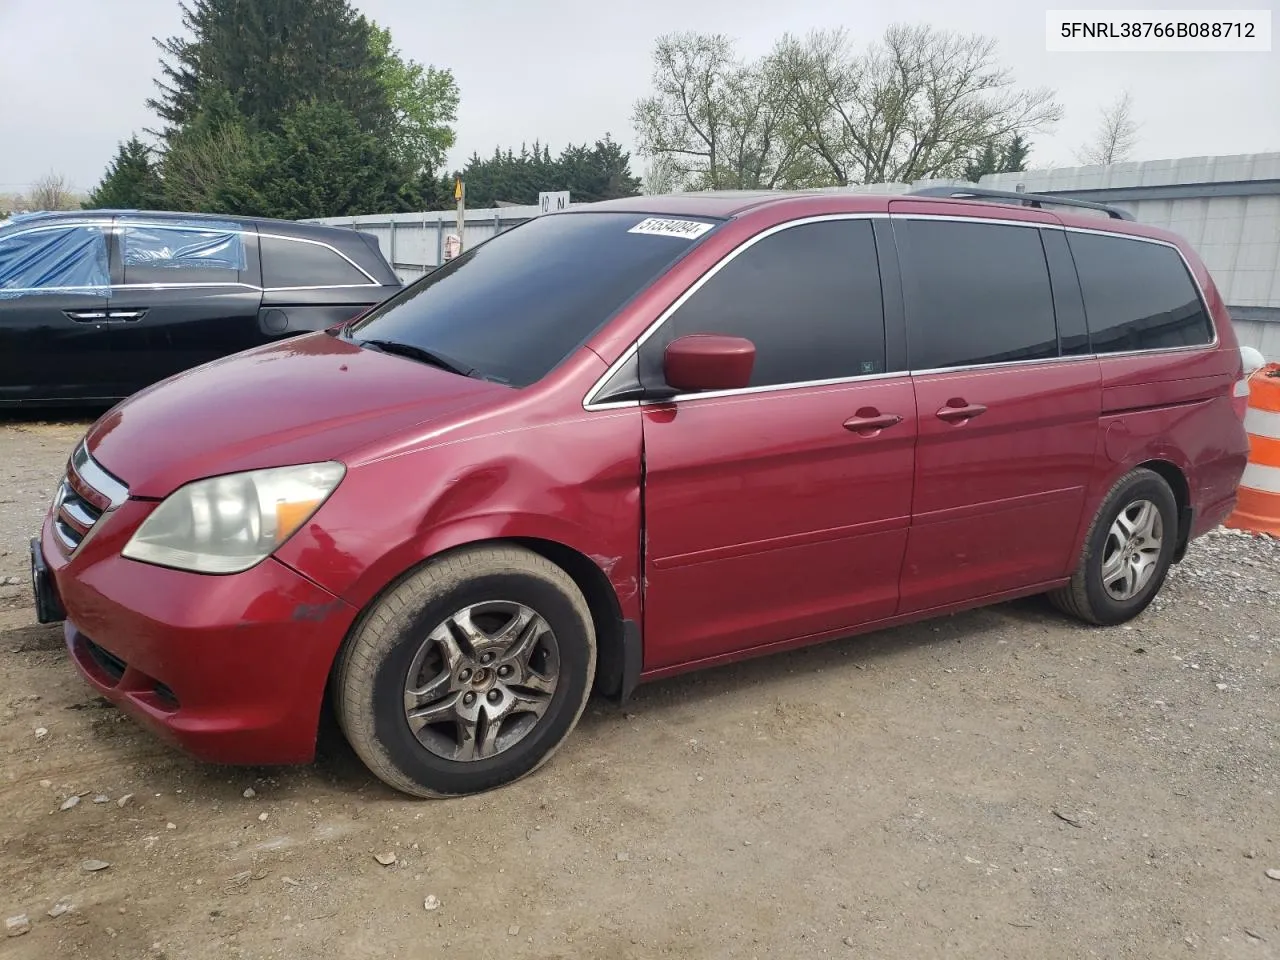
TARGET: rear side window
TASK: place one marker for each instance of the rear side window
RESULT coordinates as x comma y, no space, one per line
196,253
60,260
1137,295
808,297
976,293
296,263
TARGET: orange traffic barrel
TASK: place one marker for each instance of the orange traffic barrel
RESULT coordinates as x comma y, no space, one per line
1258,499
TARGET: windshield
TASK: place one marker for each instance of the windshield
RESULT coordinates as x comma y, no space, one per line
513,308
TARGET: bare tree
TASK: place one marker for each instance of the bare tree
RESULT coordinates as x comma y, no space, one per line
661,175
719,123
197,164
51,192
1116,136
920,103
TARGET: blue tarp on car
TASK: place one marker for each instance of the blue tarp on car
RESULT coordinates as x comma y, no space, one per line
55,260
215,246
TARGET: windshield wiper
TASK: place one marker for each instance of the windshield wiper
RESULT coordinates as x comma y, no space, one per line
421,354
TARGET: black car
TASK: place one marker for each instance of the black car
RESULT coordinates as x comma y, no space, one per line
97,304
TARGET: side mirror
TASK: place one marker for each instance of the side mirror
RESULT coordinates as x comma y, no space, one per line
708,361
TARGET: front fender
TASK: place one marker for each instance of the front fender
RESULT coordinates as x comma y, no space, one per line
574,483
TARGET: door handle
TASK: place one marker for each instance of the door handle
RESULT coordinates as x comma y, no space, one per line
871,422
125,314
957,411
85,316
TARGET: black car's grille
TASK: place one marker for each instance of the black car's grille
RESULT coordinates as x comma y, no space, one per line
85,494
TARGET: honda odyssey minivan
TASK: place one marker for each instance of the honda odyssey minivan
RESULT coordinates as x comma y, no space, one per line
637,438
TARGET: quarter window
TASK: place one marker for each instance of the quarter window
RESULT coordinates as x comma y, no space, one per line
1137,295
293,263
976,293
808,297
205,253
62,260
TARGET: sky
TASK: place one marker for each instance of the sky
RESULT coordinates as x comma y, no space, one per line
75,74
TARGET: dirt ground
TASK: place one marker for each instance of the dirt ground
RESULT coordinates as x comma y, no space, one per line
1003,783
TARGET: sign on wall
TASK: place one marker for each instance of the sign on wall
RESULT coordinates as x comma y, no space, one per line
553,201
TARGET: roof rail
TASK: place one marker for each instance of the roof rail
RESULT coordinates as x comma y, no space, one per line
1025,199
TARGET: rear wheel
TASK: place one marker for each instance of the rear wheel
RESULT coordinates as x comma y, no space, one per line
1127,552
468,674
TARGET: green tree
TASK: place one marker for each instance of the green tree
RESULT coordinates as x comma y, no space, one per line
589,173
132,181
212,158
1016,152
424,104
509,177
297,108
602,172
271,56
321,164
1009,156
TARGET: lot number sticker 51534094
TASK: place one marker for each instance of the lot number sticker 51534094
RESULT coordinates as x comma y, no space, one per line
662,227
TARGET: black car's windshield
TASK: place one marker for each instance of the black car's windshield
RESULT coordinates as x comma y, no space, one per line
513,308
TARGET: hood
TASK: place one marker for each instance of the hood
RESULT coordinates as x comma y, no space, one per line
302,400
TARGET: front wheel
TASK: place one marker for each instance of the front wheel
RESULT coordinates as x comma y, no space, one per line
1127,552
468,674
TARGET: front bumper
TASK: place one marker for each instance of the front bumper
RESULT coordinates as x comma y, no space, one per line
230,668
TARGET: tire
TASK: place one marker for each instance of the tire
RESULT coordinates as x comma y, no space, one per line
1087,597
441,622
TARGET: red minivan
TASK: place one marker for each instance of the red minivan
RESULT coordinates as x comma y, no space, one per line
637,438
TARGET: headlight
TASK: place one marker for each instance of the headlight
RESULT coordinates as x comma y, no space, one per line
227,524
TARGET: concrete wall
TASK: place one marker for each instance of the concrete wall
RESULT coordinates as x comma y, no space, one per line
1227,207
412,242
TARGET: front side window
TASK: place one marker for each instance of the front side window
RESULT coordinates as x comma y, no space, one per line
197,253
808,297
512,308
976,293
66,260
1137,295
296,263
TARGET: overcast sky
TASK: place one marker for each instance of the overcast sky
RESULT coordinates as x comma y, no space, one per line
74,74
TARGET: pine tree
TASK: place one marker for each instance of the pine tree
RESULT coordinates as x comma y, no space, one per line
271,56
1015,155
132,181
999,157
589,173
321,164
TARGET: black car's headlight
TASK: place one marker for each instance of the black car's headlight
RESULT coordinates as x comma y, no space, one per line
230,523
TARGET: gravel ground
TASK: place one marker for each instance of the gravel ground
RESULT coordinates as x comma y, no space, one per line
1003,783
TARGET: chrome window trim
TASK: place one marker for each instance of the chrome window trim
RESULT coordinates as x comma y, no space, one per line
58,225
328,286
318,243
196,285
96,477
589,403
88,291
123,224
106,224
